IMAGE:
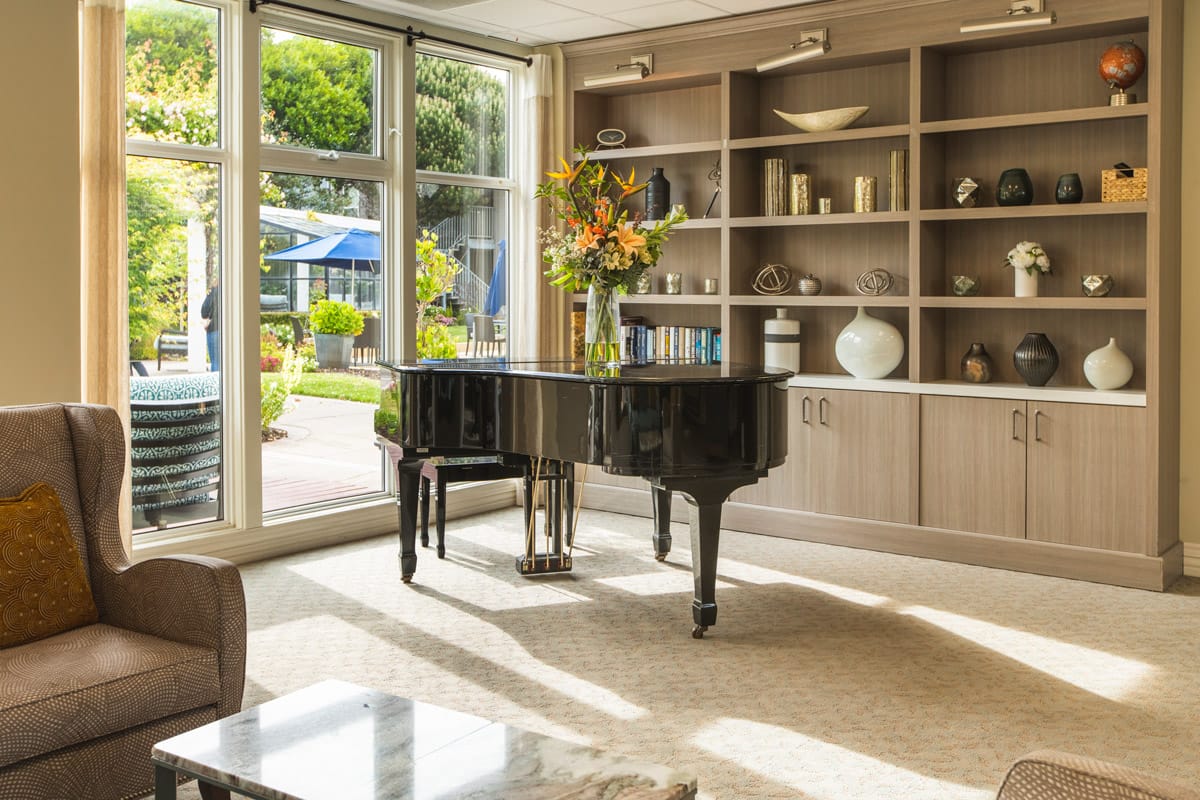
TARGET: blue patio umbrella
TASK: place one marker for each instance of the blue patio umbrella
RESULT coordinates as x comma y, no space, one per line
497,294
353,250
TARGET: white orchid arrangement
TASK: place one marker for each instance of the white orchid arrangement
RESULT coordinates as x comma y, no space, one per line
1030,257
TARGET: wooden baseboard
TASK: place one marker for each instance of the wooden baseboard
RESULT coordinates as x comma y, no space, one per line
319,529
1191,559
1063,561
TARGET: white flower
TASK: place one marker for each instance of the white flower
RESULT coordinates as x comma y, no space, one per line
1030,257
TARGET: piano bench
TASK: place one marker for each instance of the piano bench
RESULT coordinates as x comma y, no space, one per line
443,471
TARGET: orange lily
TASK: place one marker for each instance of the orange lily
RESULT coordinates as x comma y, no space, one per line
587,239
627,239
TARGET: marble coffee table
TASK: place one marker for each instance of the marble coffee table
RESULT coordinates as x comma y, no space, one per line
337,740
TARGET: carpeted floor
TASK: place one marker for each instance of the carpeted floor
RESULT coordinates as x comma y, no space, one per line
832,672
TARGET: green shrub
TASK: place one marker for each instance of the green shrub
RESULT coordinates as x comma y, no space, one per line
435,341
336,317
275,392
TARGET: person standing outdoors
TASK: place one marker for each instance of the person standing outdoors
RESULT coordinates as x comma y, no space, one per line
210,312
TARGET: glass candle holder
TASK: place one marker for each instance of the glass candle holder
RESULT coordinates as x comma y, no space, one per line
674,283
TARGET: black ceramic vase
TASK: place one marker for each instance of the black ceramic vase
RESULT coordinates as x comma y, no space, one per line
658,195
1014,188
1036,359
1069,189
976,365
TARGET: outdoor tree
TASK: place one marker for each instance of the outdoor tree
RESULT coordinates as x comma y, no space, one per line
435,276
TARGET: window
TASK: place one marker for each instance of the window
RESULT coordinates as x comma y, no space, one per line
463,199
174,207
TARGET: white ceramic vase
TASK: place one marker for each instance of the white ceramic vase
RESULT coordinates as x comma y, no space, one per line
781,341
1108,368
1025,285
869,347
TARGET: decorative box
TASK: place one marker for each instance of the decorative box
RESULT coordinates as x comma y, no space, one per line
1116,187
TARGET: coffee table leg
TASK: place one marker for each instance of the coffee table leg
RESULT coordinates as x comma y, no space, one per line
164,783
210,792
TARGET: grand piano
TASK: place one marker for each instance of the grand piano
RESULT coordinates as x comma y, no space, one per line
700,430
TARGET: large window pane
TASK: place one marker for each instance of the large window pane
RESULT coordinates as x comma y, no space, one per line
171,72
175,341
317,93
320,240
466,314
462,117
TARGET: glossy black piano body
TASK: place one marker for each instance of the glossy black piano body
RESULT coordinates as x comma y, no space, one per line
701,430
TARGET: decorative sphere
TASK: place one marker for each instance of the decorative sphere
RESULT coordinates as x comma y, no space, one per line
772,279
1122,64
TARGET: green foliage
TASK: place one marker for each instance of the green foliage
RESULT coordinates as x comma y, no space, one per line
275,393
337,386
435,341
317,93
336,317
435,277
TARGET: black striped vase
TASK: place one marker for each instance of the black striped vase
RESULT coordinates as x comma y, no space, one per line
1035,359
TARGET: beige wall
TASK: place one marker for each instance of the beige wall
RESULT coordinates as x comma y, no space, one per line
1189,440
39,202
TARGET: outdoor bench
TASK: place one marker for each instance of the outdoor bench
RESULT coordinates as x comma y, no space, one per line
173,343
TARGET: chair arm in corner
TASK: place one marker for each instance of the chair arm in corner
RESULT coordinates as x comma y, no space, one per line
190,599
1050,774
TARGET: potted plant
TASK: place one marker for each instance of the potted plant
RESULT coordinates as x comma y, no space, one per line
334,325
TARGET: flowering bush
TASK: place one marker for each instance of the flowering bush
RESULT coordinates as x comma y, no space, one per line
602,245
435,277
1030,257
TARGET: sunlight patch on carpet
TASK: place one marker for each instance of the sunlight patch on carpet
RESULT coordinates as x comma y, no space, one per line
662,581
819,770
751,573
1102,674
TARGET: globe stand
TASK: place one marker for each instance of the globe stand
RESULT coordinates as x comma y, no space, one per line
1121,98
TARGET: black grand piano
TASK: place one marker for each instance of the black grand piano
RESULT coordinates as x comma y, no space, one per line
701,430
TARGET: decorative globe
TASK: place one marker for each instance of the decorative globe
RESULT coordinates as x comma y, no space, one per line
1122,64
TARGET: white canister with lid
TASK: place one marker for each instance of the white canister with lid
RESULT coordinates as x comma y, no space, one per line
781,341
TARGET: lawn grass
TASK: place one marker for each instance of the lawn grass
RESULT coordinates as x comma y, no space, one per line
334,385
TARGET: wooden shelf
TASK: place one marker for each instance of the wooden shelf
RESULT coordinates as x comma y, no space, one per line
865,218
648,151
1039,303
1033,211
1002,391
1061,117
847,135
699,224
826,301
662,299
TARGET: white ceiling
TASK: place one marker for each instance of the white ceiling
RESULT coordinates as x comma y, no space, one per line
535,22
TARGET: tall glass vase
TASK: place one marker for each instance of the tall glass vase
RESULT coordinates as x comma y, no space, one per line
601,337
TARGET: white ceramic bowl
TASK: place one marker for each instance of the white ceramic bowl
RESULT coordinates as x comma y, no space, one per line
833,119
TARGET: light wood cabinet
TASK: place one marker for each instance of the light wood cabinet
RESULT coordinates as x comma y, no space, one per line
973,465
1086,469
936,457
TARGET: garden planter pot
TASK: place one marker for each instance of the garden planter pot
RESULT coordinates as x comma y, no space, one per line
333,350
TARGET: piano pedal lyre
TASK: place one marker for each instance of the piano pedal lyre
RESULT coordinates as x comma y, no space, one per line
553,474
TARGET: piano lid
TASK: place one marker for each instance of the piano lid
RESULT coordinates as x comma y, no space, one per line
624,372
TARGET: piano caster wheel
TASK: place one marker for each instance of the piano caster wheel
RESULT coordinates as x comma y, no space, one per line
406,578
660,556
441,552
698,631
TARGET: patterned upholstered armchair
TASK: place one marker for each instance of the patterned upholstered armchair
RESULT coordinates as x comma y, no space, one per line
80,710
1051,775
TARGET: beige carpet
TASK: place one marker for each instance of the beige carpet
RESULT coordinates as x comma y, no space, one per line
832,672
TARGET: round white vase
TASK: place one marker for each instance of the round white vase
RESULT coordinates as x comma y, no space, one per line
1108,368
1024,284
869,347
781,342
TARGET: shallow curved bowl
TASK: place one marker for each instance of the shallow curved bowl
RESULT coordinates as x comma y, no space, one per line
833,119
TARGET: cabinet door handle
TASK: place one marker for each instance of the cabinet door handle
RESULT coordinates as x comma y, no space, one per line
821,410
1015,415
804,404
1037,426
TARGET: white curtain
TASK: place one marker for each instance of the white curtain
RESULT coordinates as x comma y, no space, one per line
539,311
104,278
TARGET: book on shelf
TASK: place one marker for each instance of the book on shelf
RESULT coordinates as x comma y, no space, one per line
640,342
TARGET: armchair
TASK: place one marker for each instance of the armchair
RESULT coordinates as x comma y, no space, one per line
81,709
1051,775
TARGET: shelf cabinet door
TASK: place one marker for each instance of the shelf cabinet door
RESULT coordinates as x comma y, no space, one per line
973,465
860,455
1085,485
787,486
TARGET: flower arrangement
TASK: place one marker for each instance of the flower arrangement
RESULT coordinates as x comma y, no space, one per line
603,245
1030,257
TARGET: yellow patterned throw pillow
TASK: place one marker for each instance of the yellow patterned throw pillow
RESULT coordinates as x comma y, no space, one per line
43,588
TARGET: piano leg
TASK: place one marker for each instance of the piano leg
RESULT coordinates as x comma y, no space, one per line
661,538
705,497
408,475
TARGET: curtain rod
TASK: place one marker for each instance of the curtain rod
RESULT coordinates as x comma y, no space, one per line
409,34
